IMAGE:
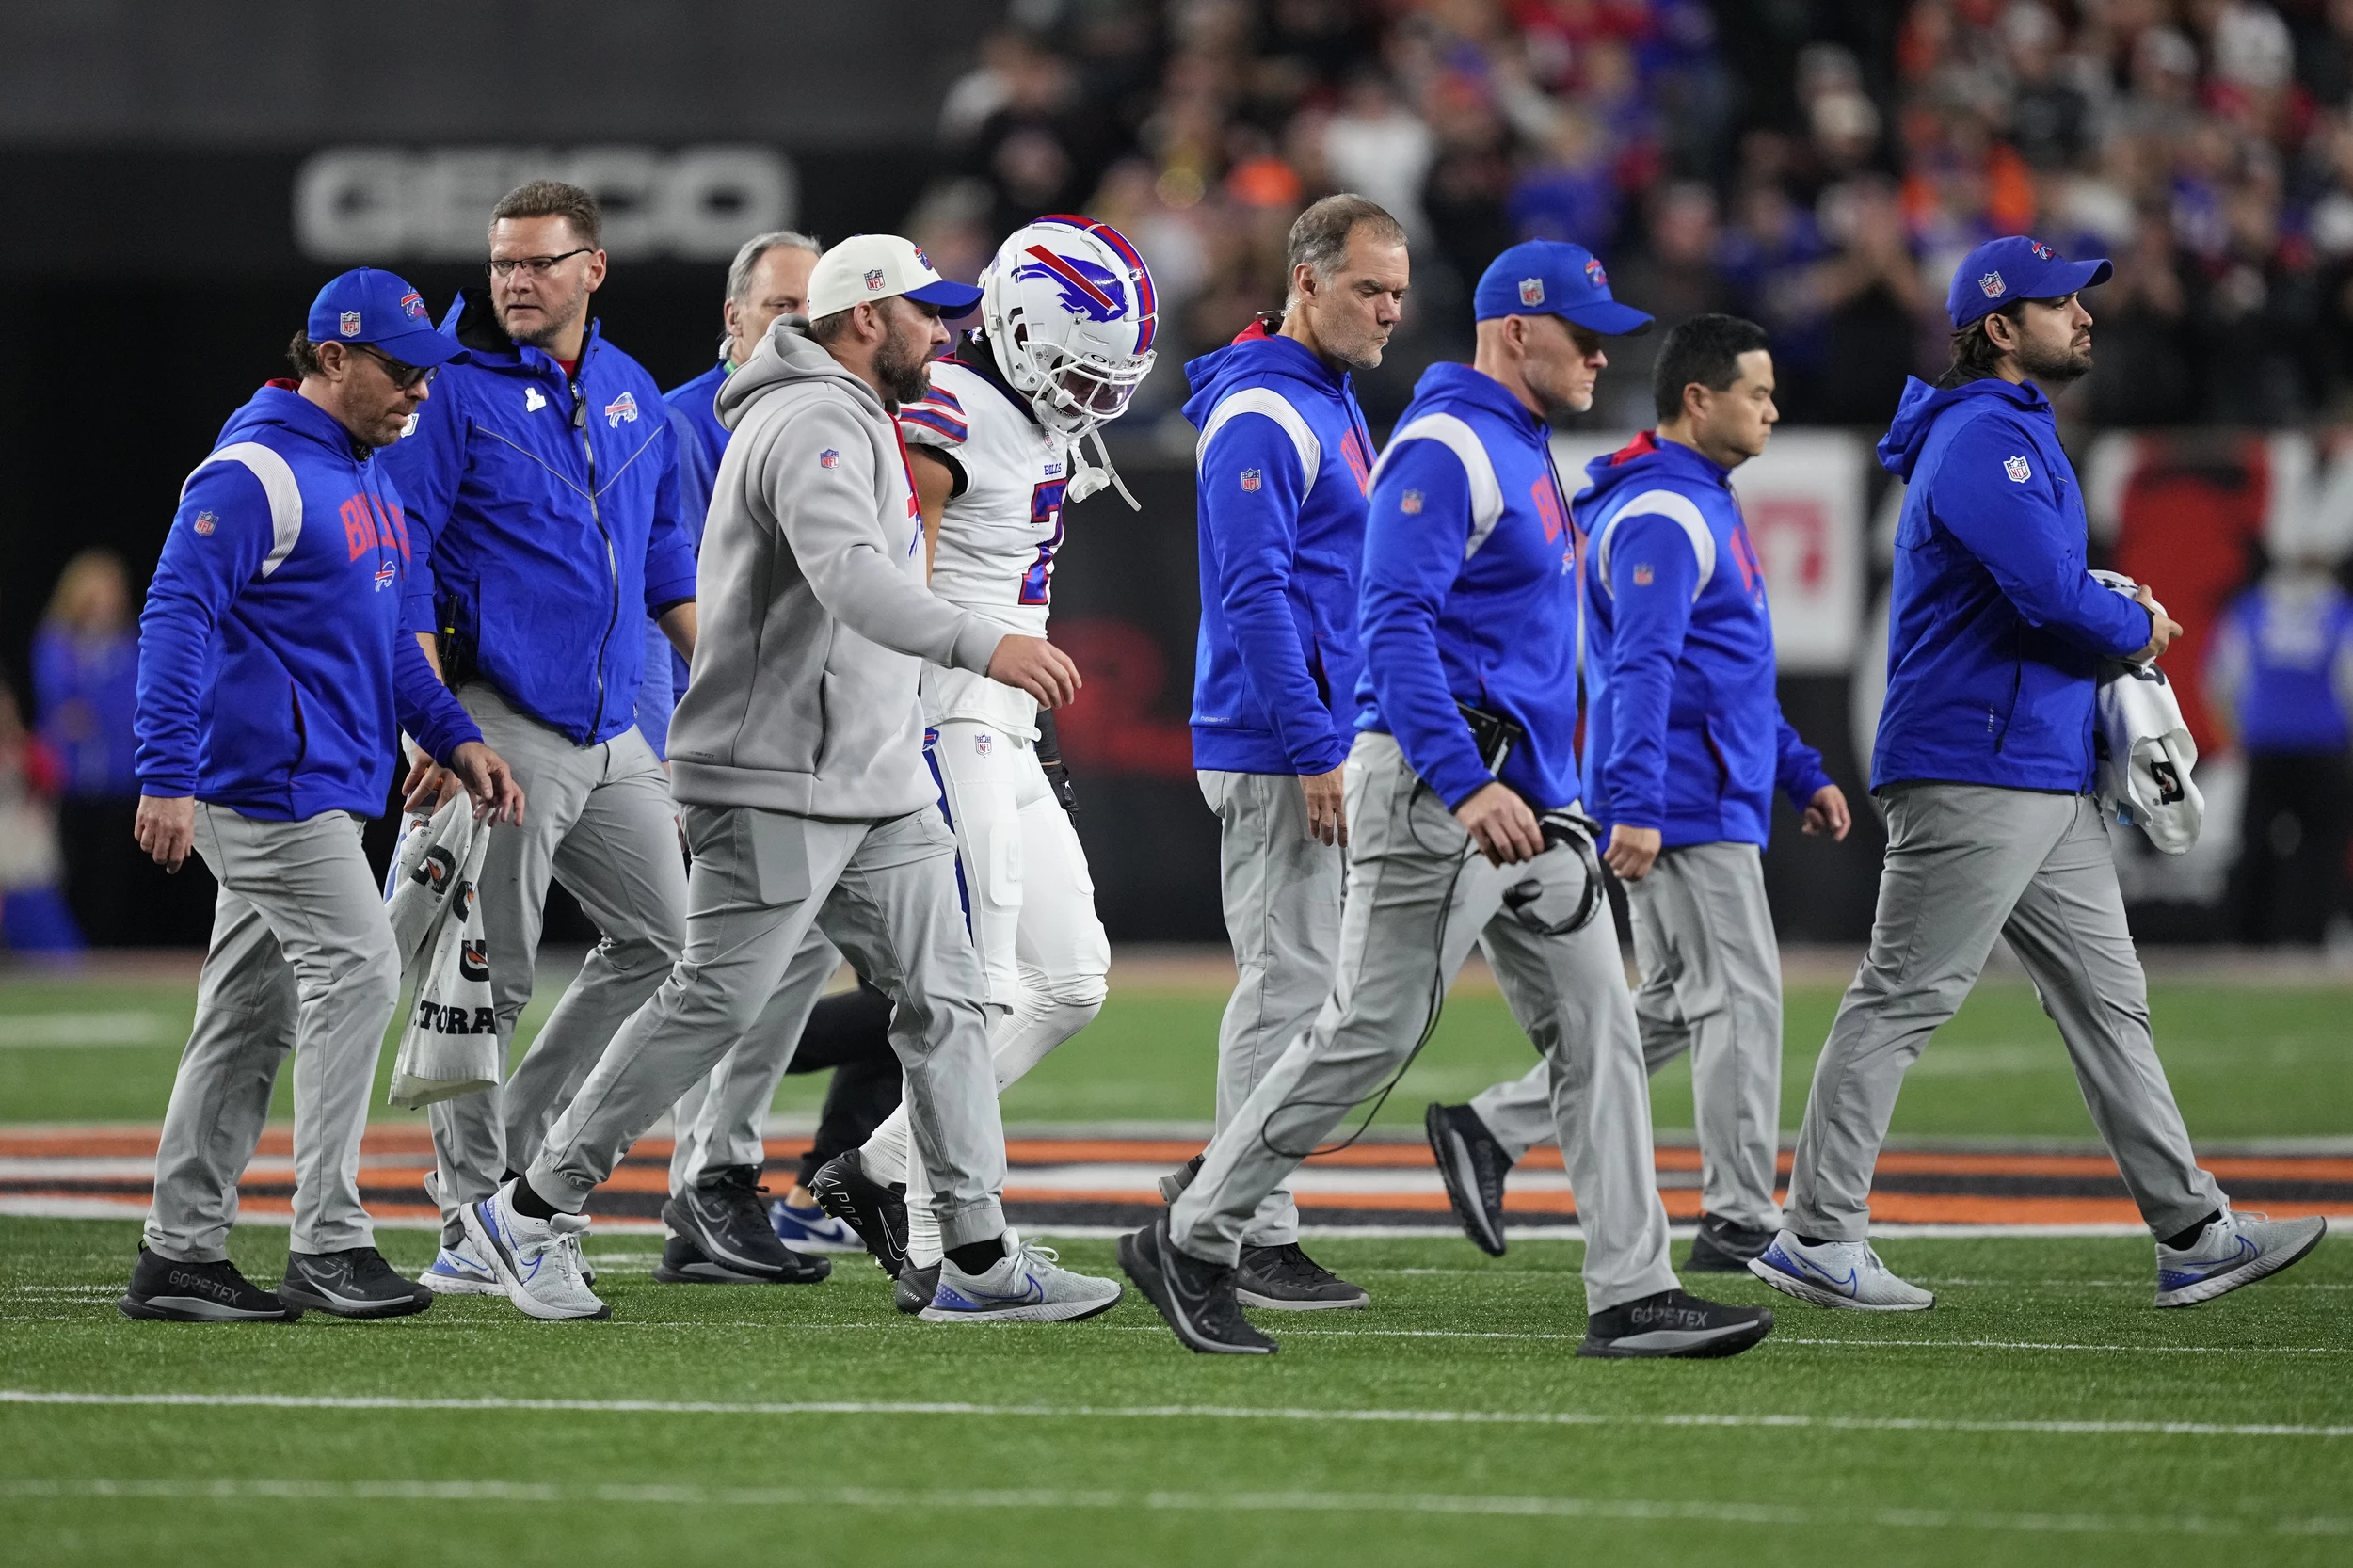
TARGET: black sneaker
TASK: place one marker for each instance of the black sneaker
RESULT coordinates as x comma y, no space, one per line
1473,1166
200,1294
726,1229
1174,1184
1197,1298
1288,1280
878,1214
916,1287
1673,1324
1723,1247
353,1283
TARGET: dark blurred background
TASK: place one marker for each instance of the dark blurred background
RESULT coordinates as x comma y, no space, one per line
177,180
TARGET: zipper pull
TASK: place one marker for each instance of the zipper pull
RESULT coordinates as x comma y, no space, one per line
580,408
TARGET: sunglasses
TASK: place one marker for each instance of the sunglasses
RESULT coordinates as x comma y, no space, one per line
407,377
536,266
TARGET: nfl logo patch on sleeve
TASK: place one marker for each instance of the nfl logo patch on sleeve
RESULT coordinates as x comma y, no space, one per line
2017,470
1250,479
830,457
1410,503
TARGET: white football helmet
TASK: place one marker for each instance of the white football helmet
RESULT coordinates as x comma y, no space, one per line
1069,312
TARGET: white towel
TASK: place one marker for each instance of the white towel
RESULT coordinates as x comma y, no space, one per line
449,1046
2143,748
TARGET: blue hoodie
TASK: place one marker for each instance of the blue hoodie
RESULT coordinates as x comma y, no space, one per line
1470,591
549,512
702,440
1284,460
1684,732
1996,625
274,675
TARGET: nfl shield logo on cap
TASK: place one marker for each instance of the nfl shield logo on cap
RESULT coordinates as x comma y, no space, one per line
1531,291
1991,285
874,279
350,324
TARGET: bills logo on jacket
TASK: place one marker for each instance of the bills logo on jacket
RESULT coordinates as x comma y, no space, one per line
1991,285
621,407
2017,470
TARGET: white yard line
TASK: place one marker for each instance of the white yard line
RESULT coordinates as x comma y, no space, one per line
1638,1510
1233,1413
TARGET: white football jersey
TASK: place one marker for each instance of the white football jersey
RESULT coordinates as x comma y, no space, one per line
998,538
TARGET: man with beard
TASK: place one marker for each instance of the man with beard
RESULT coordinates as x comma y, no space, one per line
1466,732
1984,767
797,756
1284,460
542,476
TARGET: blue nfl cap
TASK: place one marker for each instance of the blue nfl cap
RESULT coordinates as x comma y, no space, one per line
2003,270
379,309
1553,278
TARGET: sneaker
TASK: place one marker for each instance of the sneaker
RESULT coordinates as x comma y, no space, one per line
2234,1250
1473,1166
1673,1324
1288,1280
918,1284
1174,1184
1723,1247
812,1229
726,1225
579,1250
459,1270
198,1293
540,1272
1197,1298
1029,1285
1836,1273
877,1213
353,1283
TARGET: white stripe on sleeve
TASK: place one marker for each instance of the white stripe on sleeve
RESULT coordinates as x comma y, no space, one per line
1661,504
1267,401
278,483
1486,493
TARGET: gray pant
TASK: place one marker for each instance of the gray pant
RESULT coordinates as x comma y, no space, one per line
1711,986
1965,862
884,893
1282,889
1415,904
302,961
723,1120
598,820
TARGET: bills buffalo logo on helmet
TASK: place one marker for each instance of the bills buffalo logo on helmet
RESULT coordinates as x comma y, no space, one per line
1593,272
1992,286
1086,290
205,522
413,305
1250,479
621,407
873,278
830,457
1531,291
2017,470
350,324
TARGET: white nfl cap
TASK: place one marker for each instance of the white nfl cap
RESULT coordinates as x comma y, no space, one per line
870,267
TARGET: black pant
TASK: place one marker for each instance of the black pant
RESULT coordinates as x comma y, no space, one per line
849,1032
2291,868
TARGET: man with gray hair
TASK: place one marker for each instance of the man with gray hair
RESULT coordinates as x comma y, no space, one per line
720,1232
1284,460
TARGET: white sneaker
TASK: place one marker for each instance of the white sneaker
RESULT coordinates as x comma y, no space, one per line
1836,1273
461,1271
1027,1286
541,1272
2234,1250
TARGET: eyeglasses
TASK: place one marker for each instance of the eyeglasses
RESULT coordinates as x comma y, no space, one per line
407,377
536,266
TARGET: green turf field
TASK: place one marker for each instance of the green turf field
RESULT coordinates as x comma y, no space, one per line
2244,1063
2043,1412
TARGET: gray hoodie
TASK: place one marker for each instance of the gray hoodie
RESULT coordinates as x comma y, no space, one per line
814,618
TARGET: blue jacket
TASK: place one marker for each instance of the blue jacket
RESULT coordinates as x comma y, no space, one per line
1284,460
1470,591
274,674
549,514
1995,625
702,441
1683,726
2282,664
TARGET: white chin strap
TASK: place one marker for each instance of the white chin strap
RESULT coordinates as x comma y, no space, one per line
1094,478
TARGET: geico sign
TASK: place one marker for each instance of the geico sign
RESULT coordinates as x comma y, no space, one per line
384,203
